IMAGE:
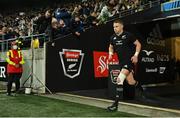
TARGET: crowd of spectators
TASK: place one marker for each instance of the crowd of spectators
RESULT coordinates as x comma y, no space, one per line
62,19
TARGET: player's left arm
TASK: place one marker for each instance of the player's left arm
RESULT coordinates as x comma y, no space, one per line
134,58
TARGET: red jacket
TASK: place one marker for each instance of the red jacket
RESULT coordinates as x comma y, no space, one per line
14,57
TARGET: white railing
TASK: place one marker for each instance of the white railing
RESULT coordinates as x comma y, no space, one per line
4,43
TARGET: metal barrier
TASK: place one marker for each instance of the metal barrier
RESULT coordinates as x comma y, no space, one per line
140,8
26,40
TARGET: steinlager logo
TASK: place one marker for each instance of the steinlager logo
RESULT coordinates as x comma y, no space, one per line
71,62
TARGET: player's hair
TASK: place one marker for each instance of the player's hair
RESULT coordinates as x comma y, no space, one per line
118,21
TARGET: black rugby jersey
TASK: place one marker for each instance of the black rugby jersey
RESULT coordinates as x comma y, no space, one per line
124,46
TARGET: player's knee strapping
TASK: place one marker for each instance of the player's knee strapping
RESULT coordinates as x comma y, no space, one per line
122,77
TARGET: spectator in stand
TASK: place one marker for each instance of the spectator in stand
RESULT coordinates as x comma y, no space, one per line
75,11
86,9
54,28
80,9
105,14
5,32
11,32
16,32
91,20
63,14
32,21
63,28
77,26
115,6
44,22
59,29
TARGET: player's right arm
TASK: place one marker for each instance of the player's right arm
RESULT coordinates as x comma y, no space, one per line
111,51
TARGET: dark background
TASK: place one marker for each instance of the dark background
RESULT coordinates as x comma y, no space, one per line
97,39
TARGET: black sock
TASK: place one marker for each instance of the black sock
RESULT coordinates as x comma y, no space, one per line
118,93
138,86
116,100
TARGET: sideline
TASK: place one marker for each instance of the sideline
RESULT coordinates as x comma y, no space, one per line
123,106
